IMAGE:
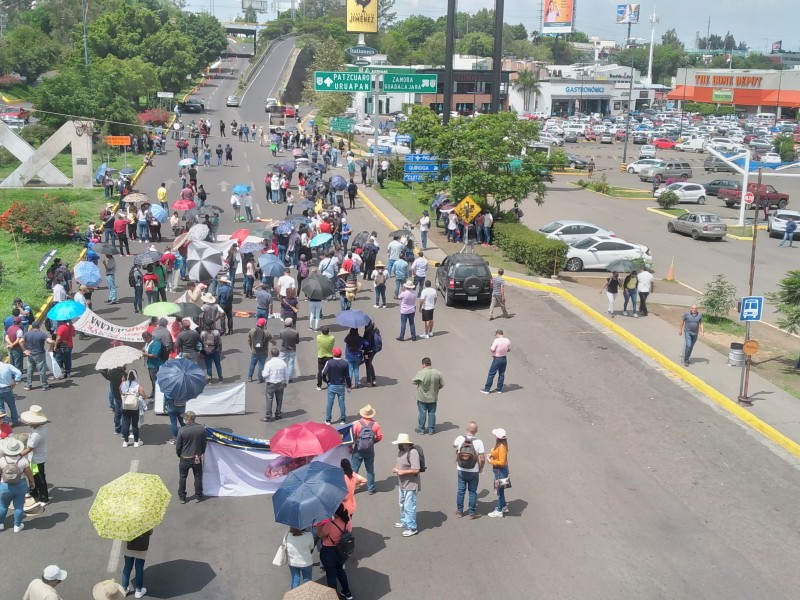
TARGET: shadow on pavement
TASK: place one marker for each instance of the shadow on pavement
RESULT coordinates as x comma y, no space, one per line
516,508
385,381
155,433
46,521
68,494
368,583
291,414
511,387
177,578
427,519
386,485
446,426
369,542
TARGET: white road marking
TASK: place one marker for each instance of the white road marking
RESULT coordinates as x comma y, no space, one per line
116,546
272,91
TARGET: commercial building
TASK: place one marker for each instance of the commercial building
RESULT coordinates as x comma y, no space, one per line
472,91
749,91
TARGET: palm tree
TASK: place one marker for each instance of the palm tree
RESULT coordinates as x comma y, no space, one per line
527,83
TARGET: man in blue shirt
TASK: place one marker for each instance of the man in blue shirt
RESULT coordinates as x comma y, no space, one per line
337,372
35,341
400,272
9,377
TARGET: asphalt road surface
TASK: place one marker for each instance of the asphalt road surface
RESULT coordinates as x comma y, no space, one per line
625,484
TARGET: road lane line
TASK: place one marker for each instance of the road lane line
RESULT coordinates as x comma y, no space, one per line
116,546
272,90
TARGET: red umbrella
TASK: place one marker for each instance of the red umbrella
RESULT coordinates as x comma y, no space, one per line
183,204
304,439
240,236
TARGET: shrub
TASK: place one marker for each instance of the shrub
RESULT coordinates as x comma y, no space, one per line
601,185
668,199
6,158
719,298
154,116
36,134
396,169
38,220
539,254
9,81
583,183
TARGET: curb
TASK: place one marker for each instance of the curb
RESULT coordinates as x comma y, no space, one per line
684,375
609,195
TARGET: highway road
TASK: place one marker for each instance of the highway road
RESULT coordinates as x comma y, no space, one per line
625,484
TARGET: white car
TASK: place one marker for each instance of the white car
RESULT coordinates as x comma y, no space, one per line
637,166
686,192
232,101
548,138
598,252
572,232
647,151
364,128
776,224
771,158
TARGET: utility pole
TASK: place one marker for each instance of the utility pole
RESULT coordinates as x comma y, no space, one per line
449,44
653,20
85,44
497,60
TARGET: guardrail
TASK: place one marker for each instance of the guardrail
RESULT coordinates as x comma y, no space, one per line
247,76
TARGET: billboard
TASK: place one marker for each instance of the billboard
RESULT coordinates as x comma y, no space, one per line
558,16
628,13
362,16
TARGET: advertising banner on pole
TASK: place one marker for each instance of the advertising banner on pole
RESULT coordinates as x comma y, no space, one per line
628,13
362,16
558,16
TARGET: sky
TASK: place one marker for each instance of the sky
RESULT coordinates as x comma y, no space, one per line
758,23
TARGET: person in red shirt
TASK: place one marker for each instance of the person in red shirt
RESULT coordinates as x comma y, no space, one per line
325,227
63,345
120,230
365,455
168,262
330,532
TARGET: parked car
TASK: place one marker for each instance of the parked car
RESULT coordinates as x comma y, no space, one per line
663,143
364,128
686,192
571,136
638,165
590,135
572,232
15,112
606,138
232,101
694,145
713,164
15,124
620,135
270,103
666,169
193,105
699,225
769,196
576,162
713,187
776,223
639,137
647,151
771,158
760,145
464,277
549,138
597,252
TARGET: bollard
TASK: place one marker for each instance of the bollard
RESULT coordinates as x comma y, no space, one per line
623,167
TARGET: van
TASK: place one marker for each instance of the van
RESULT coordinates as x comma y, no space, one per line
579,128
765,117
666,169
694,145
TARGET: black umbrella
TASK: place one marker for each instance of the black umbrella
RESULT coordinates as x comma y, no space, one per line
148,257
191,215
400,233
317,287
189,310
46,259
338,182
361,162
438,200
210,211
289,166
105,249
306,205
181,379
360,239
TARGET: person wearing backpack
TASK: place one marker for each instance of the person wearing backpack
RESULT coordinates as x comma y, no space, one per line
132,396
259,340
335,534
470,460
379,275
366,433
136,281
212,350
373,343
407,467
16,479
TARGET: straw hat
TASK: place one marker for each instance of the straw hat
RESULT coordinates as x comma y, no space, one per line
409,285
367,412
342,272
108,590
208,298
12,446
222,279
402,438
34,416
380,265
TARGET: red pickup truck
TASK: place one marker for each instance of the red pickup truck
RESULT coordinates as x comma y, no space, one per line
769,196
14,112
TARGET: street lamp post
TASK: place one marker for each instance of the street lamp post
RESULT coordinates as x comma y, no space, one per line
630,108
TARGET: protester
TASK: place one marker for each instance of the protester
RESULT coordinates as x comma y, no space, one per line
44,588
290,306
225,302
498,458
428,381
276,375
132,397
407,468
338,374
37,448
211,341
419,268
353,481
289,339
354,354
325,342
152,354
373,343
300,545
427,303
366,433
63,347
108,590
499,350
470,460
408,306
380,276
330,532
17,480
259,340
134,555
15,343
190,445
10,376
187,341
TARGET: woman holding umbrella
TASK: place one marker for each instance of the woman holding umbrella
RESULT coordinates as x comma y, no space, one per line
354,353
330,532
132,394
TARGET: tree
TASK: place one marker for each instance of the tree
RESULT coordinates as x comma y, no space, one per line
719,298
206,34
327,57
475,44
514,32
30,52
317,9
122,31
416,29
482,22
134,77
395,47
579,37
787,301
250,15
784,145
172,52
670,38
432,51
386,16
527,83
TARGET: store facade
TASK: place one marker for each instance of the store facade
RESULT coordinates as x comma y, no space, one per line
565,97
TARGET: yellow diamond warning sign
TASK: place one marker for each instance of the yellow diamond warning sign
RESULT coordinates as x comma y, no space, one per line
468,209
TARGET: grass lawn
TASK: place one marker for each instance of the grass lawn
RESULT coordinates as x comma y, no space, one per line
619,192
675,212
399,196
746,231
17,93
62,161
21,258
723,325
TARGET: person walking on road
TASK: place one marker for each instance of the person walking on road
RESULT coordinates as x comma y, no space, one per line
9,377
111,270
211,341
37,448
132,394
373,343
590,167
470,460
630,291
611,288
408,308
498,458
325,342
691,326
17,479
428,382
366,433
276,375
190,445
427,303
788,234
134,555
498,294
499,350
645,287
407,467
259,340
289,339
338,374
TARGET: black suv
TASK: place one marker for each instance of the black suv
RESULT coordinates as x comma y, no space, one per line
464,277
194,105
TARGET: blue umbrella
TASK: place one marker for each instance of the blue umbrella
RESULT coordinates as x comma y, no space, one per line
241,188
88,273
284,228
437,201
251,248
338,182
100,173
309,495
187,162
271,265
181,379
321,239
64,311
289,166
159,214
353,319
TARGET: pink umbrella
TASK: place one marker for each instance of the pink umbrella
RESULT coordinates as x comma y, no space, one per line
305,439
240,236
183,204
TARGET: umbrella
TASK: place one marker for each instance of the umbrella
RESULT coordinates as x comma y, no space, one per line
203,262
118,356
127,171
284,228
251,248
46,259
306,205
136,197
266,234
161,309
191,215
148,257
211,211
338,182
320,239
446,208
438,200
88,273
129,506
352,318
317,287
180,240
240,235
199,232
400,233
309,494
187,162
289,166
361,162
159,213
304,439
271,265
311,590
189,310
241,188
215,207
360,239
181,379
100,173
297,153
105,249
183,204
66,310
622,265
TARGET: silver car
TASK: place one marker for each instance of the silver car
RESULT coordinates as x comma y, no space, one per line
699,225
232,101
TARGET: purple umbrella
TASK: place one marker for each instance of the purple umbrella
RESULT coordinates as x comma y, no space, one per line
289,166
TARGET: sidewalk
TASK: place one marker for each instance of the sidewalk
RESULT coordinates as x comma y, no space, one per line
774,408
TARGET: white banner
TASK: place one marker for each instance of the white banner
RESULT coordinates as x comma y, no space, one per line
215,400
92,324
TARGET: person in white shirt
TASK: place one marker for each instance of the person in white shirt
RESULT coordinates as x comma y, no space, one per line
424,227
644,286
427,302
419,268
276,376
285,282
59,292
236,203
488,220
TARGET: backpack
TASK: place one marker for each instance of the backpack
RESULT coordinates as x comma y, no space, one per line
377,341
12,473
209,315
380,278
259,339
347,543
467,456
303,269
163,353
369,251
365,442
209,342
422,467
130,398
150,285
132,276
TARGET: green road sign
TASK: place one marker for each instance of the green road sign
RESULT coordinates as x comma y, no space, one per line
419,83
342,81
341,124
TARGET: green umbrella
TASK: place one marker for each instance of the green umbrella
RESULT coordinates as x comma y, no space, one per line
161,309
129,506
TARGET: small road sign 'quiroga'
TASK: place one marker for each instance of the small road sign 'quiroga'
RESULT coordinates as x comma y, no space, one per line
342,81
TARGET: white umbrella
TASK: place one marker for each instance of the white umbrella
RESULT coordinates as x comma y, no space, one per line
199,232
203,261
118,356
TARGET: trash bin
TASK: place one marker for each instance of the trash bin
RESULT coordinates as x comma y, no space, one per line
736,355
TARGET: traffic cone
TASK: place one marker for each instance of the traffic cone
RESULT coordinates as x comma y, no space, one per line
671,271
